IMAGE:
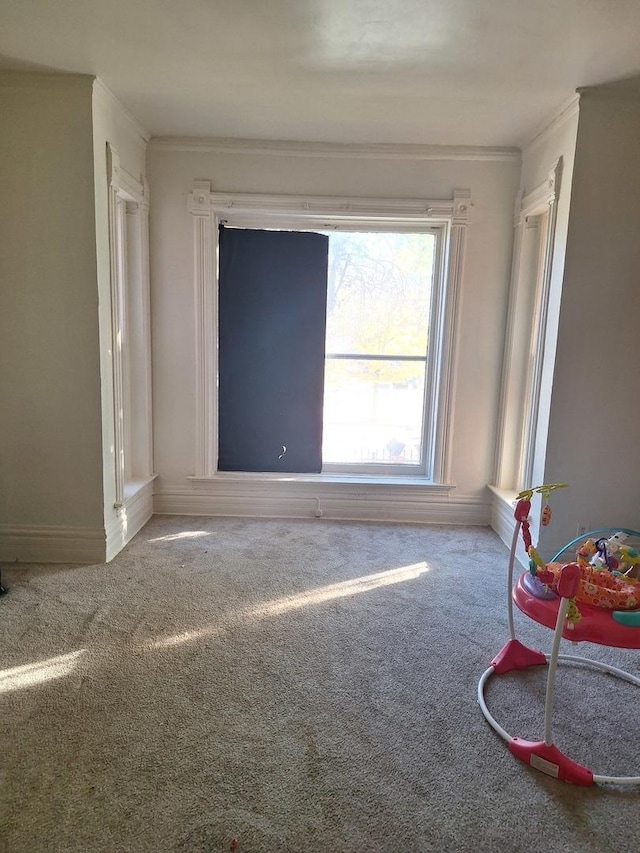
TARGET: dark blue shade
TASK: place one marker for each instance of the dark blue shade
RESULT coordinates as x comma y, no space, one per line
272,318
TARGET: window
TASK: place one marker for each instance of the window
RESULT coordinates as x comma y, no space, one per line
376,358
389,350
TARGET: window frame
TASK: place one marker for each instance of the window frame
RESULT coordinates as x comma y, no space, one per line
449,216
421,469
128,227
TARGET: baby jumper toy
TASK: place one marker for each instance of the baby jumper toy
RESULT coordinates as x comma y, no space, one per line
595,598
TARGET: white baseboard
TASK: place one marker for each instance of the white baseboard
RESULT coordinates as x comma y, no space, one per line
304,499
49,544
503,521
130,518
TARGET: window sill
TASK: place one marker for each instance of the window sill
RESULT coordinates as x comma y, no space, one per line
340,481
133,489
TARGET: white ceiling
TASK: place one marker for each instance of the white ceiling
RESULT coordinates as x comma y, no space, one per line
459,72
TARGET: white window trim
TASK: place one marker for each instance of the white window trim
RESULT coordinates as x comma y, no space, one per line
283,211
127,196
542,199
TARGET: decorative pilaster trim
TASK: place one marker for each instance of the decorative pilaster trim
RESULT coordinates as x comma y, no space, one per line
205,236
371,151
143,214
444,369
499,461
537,201
531,426
126,195
117,287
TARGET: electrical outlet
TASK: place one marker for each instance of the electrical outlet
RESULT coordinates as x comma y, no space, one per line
581,529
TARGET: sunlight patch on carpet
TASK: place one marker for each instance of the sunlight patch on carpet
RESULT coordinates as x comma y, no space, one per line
185,534
39,672
340,590
366,583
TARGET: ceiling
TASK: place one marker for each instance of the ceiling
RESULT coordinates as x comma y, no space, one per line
441,72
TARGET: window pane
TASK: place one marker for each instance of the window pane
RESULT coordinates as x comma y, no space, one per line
379,293
373,411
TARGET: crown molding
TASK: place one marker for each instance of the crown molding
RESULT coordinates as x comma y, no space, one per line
372,151
567,111
127,119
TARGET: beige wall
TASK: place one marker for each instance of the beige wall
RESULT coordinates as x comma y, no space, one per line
50,429
56,431
594,422
483,297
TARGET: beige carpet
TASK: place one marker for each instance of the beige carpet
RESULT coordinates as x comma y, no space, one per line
297,686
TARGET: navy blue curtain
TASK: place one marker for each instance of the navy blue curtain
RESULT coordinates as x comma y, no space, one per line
272,318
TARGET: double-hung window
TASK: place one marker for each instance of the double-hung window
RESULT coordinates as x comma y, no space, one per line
334,335
376,378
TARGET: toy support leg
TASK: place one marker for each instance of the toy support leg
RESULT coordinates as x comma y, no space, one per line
544,755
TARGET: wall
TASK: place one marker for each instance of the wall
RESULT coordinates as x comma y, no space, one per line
593,438
51,499
493,185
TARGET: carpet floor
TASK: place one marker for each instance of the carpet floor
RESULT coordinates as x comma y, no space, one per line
295,686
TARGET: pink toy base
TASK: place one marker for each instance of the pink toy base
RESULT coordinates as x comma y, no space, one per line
596,625
549,759
515,655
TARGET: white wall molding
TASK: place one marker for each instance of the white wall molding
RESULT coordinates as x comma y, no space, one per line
544,195
131,516
125,118
126,185
205,239
51,544
117,273
312,209
541,199
503,522
225,496
548,128
444,366
535,378
127,196
145,280
375,151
